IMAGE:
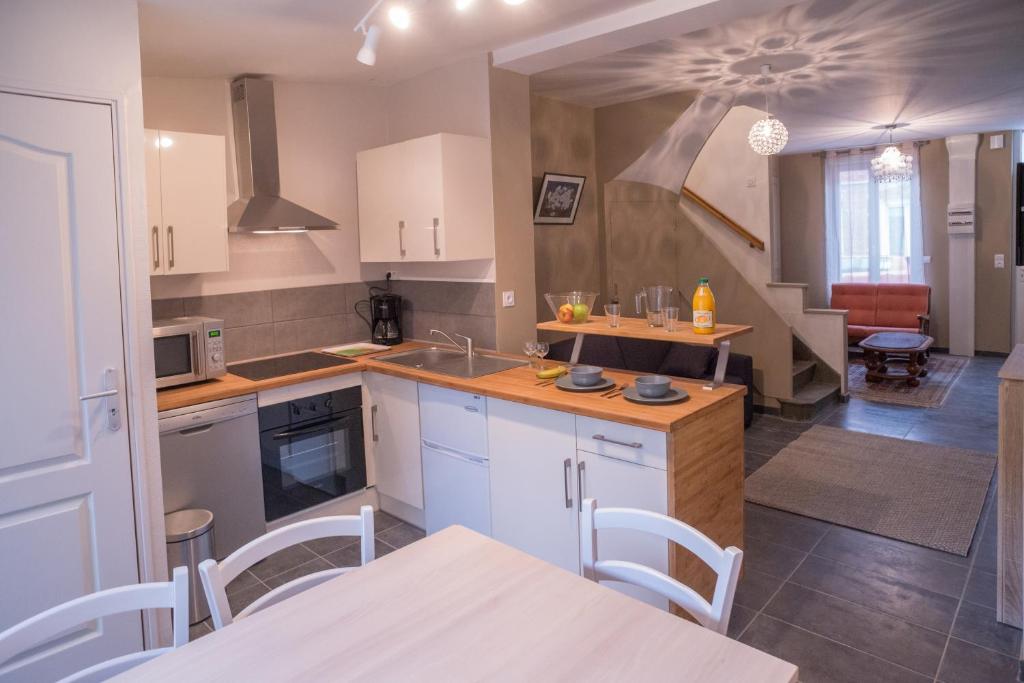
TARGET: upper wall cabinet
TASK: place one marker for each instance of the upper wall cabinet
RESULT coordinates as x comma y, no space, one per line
427,199
186,201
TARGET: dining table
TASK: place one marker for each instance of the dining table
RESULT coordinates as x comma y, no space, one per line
460,606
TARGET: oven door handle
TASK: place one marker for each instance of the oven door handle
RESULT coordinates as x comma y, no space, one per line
310,428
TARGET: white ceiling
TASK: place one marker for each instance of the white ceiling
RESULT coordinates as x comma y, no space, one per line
843,67
313,40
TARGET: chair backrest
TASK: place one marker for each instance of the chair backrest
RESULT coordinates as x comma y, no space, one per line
47,625
724,562
216,576
900,304
859,298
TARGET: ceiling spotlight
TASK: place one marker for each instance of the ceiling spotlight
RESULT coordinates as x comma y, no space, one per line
463,5
399,17
368,52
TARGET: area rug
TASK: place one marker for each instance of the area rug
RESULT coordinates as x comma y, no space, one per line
907,490
943,371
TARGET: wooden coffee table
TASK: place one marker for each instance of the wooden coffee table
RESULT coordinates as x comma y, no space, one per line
906,348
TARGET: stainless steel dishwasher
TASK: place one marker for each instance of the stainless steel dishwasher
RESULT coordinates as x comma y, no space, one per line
210,458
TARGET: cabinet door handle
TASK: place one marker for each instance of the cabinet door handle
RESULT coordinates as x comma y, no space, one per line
580,469
373,423
567,471
471,409
627,444
437,249
156,247
170,246
401,238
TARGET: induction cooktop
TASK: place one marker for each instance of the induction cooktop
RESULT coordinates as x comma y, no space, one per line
286,365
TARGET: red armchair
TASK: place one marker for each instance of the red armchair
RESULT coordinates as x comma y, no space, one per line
882,308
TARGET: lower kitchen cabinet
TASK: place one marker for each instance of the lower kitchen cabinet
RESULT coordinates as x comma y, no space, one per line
533,481
394,444
615,482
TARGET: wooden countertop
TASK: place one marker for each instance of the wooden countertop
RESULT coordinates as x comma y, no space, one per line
458,606
637,328
1013,368
229,386
518,385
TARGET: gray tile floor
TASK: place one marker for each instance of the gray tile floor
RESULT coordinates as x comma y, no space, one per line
845,605
306,558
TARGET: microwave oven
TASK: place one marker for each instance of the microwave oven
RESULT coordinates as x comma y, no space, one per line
187,350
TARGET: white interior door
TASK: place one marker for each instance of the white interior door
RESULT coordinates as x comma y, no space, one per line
66,515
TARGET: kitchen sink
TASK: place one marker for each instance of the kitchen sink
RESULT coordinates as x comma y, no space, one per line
452,362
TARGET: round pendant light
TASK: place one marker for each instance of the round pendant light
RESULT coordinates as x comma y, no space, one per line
892,165
769,135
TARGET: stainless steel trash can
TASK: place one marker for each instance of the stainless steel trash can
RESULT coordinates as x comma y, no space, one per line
189,542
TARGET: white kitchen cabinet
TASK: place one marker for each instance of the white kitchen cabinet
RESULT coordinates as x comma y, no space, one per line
426,199
635,482
186,197
394,444
534,504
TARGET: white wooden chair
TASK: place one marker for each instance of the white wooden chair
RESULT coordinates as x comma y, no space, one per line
725,563
46,625
216,576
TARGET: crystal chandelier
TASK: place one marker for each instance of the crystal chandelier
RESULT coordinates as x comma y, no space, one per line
892,165
767,136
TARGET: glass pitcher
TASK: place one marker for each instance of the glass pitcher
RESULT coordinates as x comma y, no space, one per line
654,299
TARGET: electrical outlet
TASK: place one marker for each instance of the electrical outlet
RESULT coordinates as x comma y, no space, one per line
751,181
508,299
926,259
1000,261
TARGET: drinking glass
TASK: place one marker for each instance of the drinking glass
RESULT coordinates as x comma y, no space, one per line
530,349
671,314
612,312
542,349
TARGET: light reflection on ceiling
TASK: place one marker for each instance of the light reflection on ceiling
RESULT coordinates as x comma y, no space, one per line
839,69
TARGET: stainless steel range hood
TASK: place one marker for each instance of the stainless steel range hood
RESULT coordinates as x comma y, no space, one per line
260,207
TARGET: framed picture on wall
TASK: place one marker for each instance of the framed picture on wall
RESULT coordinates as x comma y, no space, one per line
559,199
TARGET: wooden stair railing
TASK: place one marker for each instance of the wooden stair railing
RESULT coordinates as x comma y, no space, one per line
751,239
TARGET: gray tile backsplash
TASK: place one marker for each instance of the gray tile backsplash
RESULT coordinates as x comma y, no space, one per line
287,320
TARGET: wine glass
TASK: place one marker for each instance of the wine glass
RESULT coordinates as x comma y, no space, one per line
542,349
530,349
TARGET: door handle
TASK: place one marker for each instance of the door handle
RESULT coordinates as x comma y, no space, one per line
401,240
112,405
373,423
170,246
579,485
156,247
437,249
567,471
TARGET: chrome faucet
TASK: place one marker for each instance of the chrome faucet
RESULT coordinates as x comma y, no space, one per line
467,349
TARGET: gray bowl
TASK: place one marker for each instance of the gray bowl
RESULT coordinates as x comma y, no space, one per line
653,386
585,375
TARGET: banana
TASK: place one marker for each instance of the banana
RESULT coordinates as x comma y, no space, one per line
551,373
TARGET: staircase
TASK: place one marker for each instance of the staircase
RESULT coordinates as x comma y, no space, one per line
815,387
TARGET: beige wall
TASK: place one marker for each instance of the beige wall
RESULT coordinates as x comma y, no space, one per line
567,256
993,329
513,219
803,236
451,99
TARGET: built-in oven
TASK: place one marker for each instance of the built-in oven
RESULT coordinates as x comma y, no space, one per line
187,350
312,451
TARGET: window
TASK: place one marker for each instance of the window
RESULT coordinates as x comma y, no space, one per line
872,230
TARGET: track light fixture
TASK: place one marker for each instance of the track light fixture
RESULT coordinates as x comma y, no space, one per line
399,16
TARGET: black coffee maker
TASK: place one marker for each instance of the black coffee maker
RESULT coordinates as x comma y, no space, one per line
385,315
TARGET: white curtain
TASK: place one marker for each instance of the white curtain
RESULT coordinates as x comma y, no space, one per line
873,230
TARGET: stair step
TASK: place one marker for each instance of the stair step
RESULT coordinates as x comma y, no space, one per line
803,373
809,401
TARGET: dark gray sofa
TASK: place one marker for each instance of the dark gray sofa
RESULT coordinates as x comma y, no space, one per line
664,358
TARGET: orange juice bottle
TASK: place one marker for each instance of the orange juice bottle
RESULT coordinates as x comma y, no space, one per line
703,308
